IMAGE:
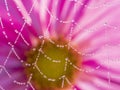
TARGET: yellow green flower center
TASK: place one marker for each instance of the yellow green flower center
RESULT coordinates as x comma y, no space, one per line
50,65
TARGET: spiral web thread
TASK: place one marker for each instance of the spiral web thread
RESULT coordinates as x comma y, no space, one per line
12,50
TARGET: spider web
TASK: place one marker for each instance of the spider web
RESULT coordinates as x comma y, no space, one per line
27,84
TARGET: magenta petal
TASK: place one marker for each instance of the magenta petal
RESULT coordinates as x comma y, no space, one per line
90,26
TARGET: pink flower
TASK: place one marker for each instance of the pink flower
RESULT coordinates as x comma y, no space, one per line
89,27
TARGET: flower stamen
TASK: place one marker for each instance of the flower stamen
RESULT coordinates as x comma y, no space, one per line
50,65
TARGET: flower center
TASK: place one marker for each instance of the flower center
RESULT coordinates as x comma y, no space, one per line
50,65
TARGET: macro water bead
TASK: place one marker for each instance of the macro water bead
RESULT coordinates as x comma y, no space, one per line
59,45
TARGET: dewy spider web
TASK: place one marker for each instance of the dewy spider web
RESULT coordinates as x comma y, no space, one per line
52,17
